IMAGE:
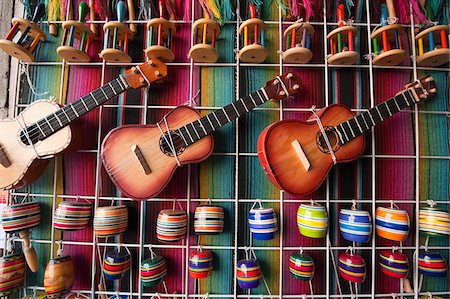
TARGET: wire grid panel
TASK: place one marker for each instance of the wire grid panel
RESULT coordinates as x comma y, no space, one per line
234,164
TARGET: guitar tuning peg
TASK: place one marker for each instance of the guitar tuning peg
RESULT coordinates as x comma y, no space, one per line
282,93
289,75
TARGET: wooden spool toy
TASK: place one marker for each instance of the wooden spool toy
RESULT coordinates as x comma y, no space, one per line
205,32
20,218
79,31
341,42
115,46
253,31
29,38
298,42
432,46
164,30
391,52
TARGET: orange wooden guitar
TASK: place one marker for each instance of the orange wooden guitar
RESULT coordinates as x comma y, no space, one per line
297,157
43,129
141,159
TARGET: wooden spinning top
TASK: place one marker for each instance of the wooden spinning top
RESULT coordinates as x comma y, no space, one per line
30,36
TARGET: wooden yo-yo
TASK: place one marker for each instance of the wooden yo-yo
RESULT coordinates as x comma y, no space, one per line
117,37
20,218
253,31
391,52
59,275
110,220
432,46
205,32
30,36
298,42
12,272
163,30
341,41
74,30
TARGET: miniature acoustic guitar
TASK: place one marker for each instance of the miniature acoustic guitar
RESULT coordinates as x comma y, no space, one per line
141,159
29,140
297,156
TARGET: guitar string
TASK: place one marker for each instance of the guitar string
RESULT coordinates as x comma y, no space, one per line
178,138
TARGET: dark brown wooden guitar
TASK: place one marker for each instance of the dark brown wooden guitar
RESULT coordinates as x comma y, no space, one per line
43,129
297,157
141,159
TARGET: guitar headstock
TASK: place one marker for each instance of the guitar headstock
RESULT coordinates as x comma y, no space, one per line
422,88
152,71
283,86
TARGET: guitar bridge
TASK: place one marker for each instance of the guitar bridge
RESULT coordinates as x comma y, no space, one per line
140,157
4,160
301,154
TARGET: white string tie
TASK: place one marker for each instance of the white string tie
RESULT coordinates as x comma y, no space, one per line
325,137
369,56
169,141
25,70
60,248
283,86
431,203
24,129
353,204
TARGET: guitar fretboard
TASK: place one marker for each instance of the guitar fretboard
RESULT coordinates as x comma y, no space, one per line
361,123
198,129
54,122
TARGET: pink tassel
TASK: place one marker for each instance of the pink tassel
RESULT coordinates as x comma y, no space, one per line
294,8
99,9
64,4
170,9
403,11
308,7
187,9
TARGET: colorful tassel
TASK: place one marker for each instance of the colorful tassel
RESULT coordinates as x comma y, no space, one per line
54,10
404,12
100,10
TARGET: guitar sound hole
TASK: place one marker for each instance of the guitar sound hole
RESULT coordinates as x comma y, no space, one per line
332,137
166,141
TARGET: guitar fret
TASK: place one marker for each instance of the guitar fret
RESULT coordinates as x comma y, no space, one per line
189,134
243,104
182,137
112,88
362,116
371,118
75,111
95,100
120,84
406,101
387,107
345,133
204,130
195,130
253,100
357,123
350,127
215,116
396,104
237,112
84,104
51,128
265,95
341,138
212,126
57,119
378,111
259,96
104,93
65,114
40,129
226,115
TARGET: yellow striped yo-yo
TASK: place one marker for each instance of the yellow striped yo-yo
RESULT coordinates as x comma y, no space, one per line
433,221
312,220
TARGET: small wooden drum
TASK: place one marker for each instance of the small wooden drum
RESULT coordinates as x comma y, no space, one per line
312,220
110,220
253,32
59,277
208,219
160,47
263,223
31,35
341,42
12,274
116,264
392,224
205,32
116,38
391,52
74,30
298,43
171,225
432,46
355,225
72,215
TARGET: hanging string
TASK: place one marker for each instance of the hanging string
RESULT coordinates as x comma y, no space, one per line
25,70
252,252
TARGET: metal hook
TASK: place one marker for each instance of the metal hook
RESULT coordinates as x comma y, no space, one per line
353,204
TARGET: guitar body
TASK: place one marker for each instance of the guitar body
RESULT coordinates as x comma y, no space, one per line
281,162
27,162
127,171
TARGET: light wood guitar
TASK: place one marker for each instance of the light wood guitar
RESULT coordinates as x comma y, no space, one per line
43,129
297,157
141,159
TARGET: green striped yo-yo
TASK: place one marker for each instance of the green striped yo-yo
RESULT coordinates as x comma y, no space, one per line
312,220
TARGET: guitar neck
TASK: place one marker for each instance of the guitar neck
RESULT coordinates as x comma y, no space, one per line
71,112
198,129
364,121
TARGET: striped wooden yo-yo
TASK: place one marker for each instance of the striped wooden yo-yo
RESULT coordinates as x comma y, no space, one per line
153,271
116,264
59,277
355,225
208,219
394,264
200,264
432,264
312,220
171,225
352,267
263,223
392,223
301,266
110,220
248,273
21,216
12,274
72,215
434,222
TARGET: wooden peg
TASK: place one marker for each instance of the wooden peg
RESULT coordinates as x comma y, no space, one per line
28,251
132,15
93,26
83,10
39,12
